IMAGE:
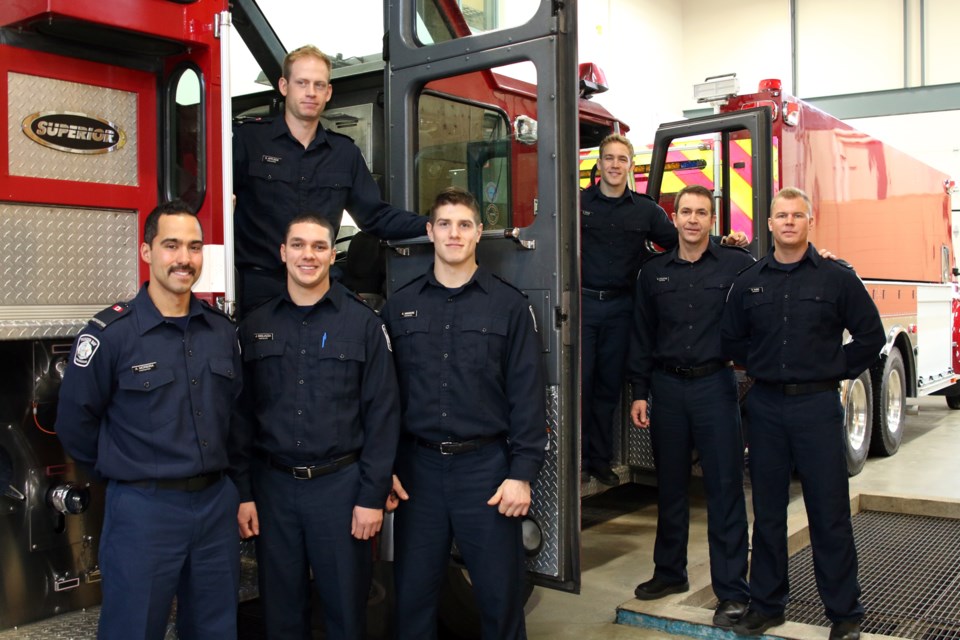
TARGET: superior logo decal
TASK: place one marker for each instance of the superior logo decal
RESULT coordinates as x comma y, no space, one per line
73,132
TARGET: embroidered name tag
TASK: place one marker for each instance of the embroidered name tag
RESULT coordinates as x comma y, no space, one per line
263,336
756,289
270,159
663,279
143,368
408,314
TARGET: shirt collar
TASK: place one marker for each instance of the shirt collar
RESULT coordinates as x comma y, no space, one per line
279,129
335,296
147,314
712,250
481,278
812,254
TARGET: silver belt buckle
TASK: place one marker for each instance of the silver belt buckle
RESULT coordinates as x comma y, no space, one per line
443,450
303,473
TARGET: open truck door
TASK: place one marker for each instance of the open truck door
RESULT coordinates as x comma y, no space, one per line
454,117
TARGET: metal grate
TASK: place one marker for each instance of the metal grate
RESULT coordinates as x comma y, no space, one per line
909,576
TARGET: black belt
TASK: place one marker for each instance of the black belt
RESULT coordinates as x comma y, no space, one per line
453,448
697,371
314,471
801,388
607,294
196,483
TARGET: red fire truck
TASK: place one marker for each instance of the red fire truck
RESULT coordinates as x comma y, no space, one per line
110,108
884,212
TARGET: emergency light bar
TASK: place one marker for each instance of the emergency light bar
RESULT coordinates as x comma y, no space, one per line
717,88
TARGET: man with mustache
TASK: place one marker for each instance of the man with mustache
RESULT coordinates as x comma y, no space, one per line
146,401
290,165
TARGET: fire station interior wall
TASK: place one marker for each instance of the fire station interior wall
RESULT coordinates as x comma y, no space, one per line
654,52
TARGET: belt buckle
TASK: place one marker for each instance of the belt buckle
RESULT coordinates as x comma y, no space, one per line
303,473
447,452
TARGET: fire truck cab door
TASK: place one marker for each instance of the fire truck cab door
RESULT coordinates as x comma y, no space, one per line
456,116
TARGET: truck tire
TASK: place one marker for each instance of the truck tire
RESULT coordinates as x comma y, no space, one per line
953,402
890,405
459,615
857,421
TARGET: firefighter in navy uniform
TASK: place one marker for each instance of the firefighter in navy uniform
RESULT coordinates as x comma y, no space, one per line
314,440
784,321
146,401
615,223
676,356
291,165
474,428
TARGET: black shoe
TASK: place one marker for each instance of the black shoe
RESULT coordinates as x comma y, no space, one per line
605,475
657,588
754,623
845,630
728,613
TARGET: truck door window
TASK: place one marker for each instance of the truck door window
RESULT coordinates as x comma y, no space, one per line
185,177
437,23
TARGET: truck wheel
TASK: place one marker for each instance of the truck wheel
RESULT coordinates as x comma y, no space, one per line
857,421
459,615
953,402
890,405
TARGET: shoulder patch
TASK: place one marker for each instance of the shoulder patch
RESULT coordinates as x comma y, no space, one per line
110,314
87,346
509,284
386,336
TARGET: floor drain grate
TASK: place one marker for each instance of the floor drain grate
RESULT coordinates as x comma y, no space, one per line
909,575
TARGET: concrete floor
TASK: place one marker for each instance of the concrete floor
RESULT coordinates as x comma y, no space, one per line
620,525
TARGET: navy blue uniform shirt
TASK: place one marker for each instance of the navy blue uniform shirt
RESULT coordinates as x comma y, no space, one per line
144,399
785,322
275,179
613,232
677,311
319,384
470,365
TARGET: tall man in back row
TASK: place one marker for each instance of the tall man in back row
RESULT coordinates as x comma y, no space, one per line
472,394
784,321
291,165
676,356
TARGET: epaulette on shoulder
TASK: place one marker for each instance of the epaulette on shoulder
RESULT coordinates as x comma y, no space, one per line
748,267
242,120
509,284
214,309
647,196
407,284
356,297
733,246
110,314
843,263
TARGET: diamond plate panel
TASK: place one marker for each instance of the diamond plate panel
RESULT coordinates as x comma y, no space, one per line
29,330
639,447
34,94
59,256
545,508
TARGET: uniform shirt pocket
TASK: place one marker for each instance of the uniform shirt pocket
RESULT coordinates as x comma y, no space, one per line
758,307
340,367
411,337
333,189
148,394
264,356
271,172
817,304
482,341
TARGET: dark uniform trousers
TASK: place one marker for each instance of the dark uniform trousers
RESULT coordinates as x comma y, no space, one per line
157,543
306,524
701,412
803,432
448,499
604,342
